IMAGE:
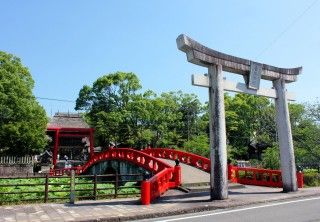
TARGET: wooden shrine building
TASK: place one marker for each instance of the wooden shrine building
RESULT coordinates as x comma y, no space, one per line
71,140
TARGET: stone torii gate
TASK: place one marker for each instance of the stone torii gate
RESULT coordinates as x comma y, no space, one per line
253,72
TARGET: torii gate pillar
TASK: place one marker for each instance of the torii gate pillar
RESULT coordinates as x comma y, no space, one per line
253,72
288,166
217,126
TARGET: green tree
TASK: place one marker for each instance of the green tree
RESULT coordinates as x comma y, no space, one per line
305,133
107,104
22,120
198,145
165,120
177,118
249,121
123,116
271,158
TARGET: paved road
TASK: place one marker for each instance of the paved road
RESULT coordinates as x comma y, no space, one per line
307,209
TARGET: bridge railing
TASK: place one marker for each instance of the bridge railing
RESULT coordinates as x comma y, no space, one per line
165,176
191,159
65,171
160,183
243,175
259,177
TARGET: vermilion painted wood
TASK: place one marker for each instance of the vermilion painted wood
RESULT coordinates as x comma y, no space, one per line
70,132
251,176
259,177
167,176
191,159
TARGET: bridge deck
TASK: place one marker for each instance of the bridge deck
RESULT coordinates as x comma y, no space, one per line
191,174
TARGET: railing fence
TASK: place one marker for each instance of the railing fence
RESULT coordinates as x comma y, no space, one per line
74,187
11,160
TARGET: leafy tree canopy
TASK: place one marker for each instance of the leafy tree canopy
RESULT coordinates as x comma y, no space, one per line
22,120
126,117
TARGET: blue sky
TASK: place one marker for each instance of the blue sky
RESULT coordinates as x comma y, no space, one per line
67,44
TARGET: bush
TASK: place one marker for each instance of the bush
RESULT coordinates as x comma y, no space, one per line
198,145
311,178
271,158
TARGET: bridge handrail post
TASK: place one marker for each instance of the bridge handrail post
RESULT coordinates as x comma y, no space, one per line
145,192
230,172
177,175
300,179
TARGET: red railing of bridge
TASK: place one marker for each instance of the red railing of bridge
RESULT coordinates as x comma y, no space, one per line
165,176
65,171
191,159
259,177
249,176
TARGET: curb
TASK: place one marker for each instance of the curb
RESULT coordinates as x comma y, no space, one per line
192,210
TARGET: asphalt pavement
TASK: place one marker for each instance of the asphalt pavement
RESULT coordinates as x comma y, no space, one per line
299,210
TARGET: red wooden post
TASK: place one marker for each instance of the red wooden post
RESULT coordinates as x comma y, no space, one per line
145,192
91,143
230,172
237,177
177,175
55,148
300,179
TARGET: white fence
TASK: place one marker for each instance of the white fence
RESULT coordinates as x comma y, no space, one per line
11,160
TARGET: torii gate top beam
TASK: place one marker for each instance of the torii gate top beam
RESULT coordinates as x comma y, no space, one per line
204,56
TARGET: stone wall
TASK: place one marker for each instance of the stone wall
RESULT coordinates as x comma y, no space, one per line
12,170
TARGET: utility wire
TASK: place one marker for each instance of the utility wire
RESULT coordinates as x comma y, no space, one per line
53,99
287,28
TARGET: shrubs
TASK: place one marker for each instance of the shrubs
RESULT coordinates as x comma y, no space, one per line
311,178
271,158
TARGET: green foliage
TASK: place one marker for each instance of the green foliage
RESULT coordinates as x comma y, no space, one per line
249,119
123,116
311,178
271,158
107,105
23,121
256,163
198,145
305,133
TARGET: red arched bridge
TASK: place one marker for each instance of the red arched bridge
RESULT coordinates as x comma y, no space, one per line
167,176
